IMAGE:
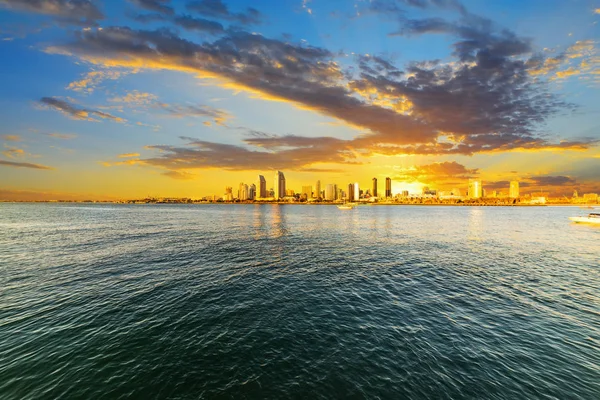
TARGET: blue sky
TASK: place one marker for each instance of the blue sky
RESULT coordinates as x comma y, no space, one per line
98,101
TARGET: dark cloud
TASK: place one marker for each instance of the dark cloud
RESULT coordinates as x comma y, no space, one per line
548,180
147,18
199,24
219,10
76,12
204,154
442,171
158,6
75,112
23,165
180,111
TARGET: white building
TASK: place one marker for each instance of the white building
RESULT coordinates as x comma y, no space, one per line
514,190
356,191
475,189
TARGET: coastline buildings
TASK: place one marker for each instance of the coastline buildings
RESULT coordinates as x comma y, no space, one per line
317,190
261,187
374,192
514,190
228,196
388,188
475,190
330,192
356,191
279,185
306,192
351,192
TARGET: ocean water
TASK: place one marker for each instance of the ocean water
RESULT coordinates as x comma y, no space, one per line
267,301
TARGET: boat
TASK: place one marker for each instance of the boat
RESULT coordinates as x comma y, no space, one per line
592,218
346,206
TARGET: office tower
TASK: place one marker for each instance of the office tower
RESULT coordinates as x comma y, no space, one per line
356,191
514,190
228,193
306,192
318,190
261,187
243,192
329,192
475,189
252,192
388,188
335,192
279,185
289,192
351,192
374,192
340,194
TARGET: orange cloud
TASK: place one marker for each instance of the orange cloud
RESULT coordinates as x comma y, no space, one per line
23,165
128,155
11,138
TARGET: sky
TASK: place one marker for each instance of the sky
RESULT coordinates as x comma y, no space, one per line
127,99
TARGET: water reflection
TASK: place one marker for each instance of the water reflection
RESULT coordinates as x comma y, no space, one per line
475,224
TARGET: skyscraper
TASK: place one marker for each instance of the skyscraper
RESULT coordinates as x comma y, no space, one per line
228,193
306,192
356,191
388,188
243,192
350,194
330,192
374,192
514,190
475,189
261,187
318,189
279,185
252,192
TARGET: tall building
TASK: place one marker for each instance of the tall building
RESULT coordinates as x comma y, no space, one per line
475,189
335,192
514,190
330,192
279,185
351,192
388,188
243,192
261,187
252,192
306,192
228,194
318,190
356,191
374,192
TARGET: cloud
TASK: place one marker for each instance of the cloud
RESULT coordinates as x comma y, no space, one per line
486,100
23,165
135,97
219,10
441,171
75,12
597,11
93,78
75,112
181,111
159,6
128,155
11,138
548,180
199,24
63,136
179,175
13,152
147,18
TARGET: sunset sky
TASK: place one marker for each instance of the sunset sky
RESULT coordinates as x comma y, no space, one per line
123,99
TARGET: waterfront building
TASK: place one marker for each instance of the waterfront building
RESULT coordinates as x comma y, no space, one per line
340,194
356,191
252,192
405,193
279,185
329,192
261,187
475,189
590,197
243,192
228,196
335,192
374,192
289,193
351,192
388,188
456,192
306,192
318,190
514,190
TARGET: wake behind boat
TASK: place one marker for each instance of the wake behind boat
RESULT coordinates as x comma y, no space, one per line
346,206
592,218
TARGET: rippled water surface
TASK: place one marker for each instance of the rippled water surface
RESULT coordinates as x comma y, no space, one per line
267,301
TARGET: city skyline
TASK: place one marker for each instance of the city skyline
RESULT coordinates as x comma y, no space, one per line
113,100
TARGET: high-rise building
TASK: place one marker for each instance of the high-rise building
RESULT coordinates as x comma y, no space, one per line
228,194
279,185
374,192
475,189
261,187
306,192
335,192
318,190
252,192
351,192
339,194
356,191
388,188
514,190
329,192
243,192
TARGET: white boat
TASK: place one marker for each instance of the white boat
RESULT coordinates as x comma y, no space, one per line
592,218
346,206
